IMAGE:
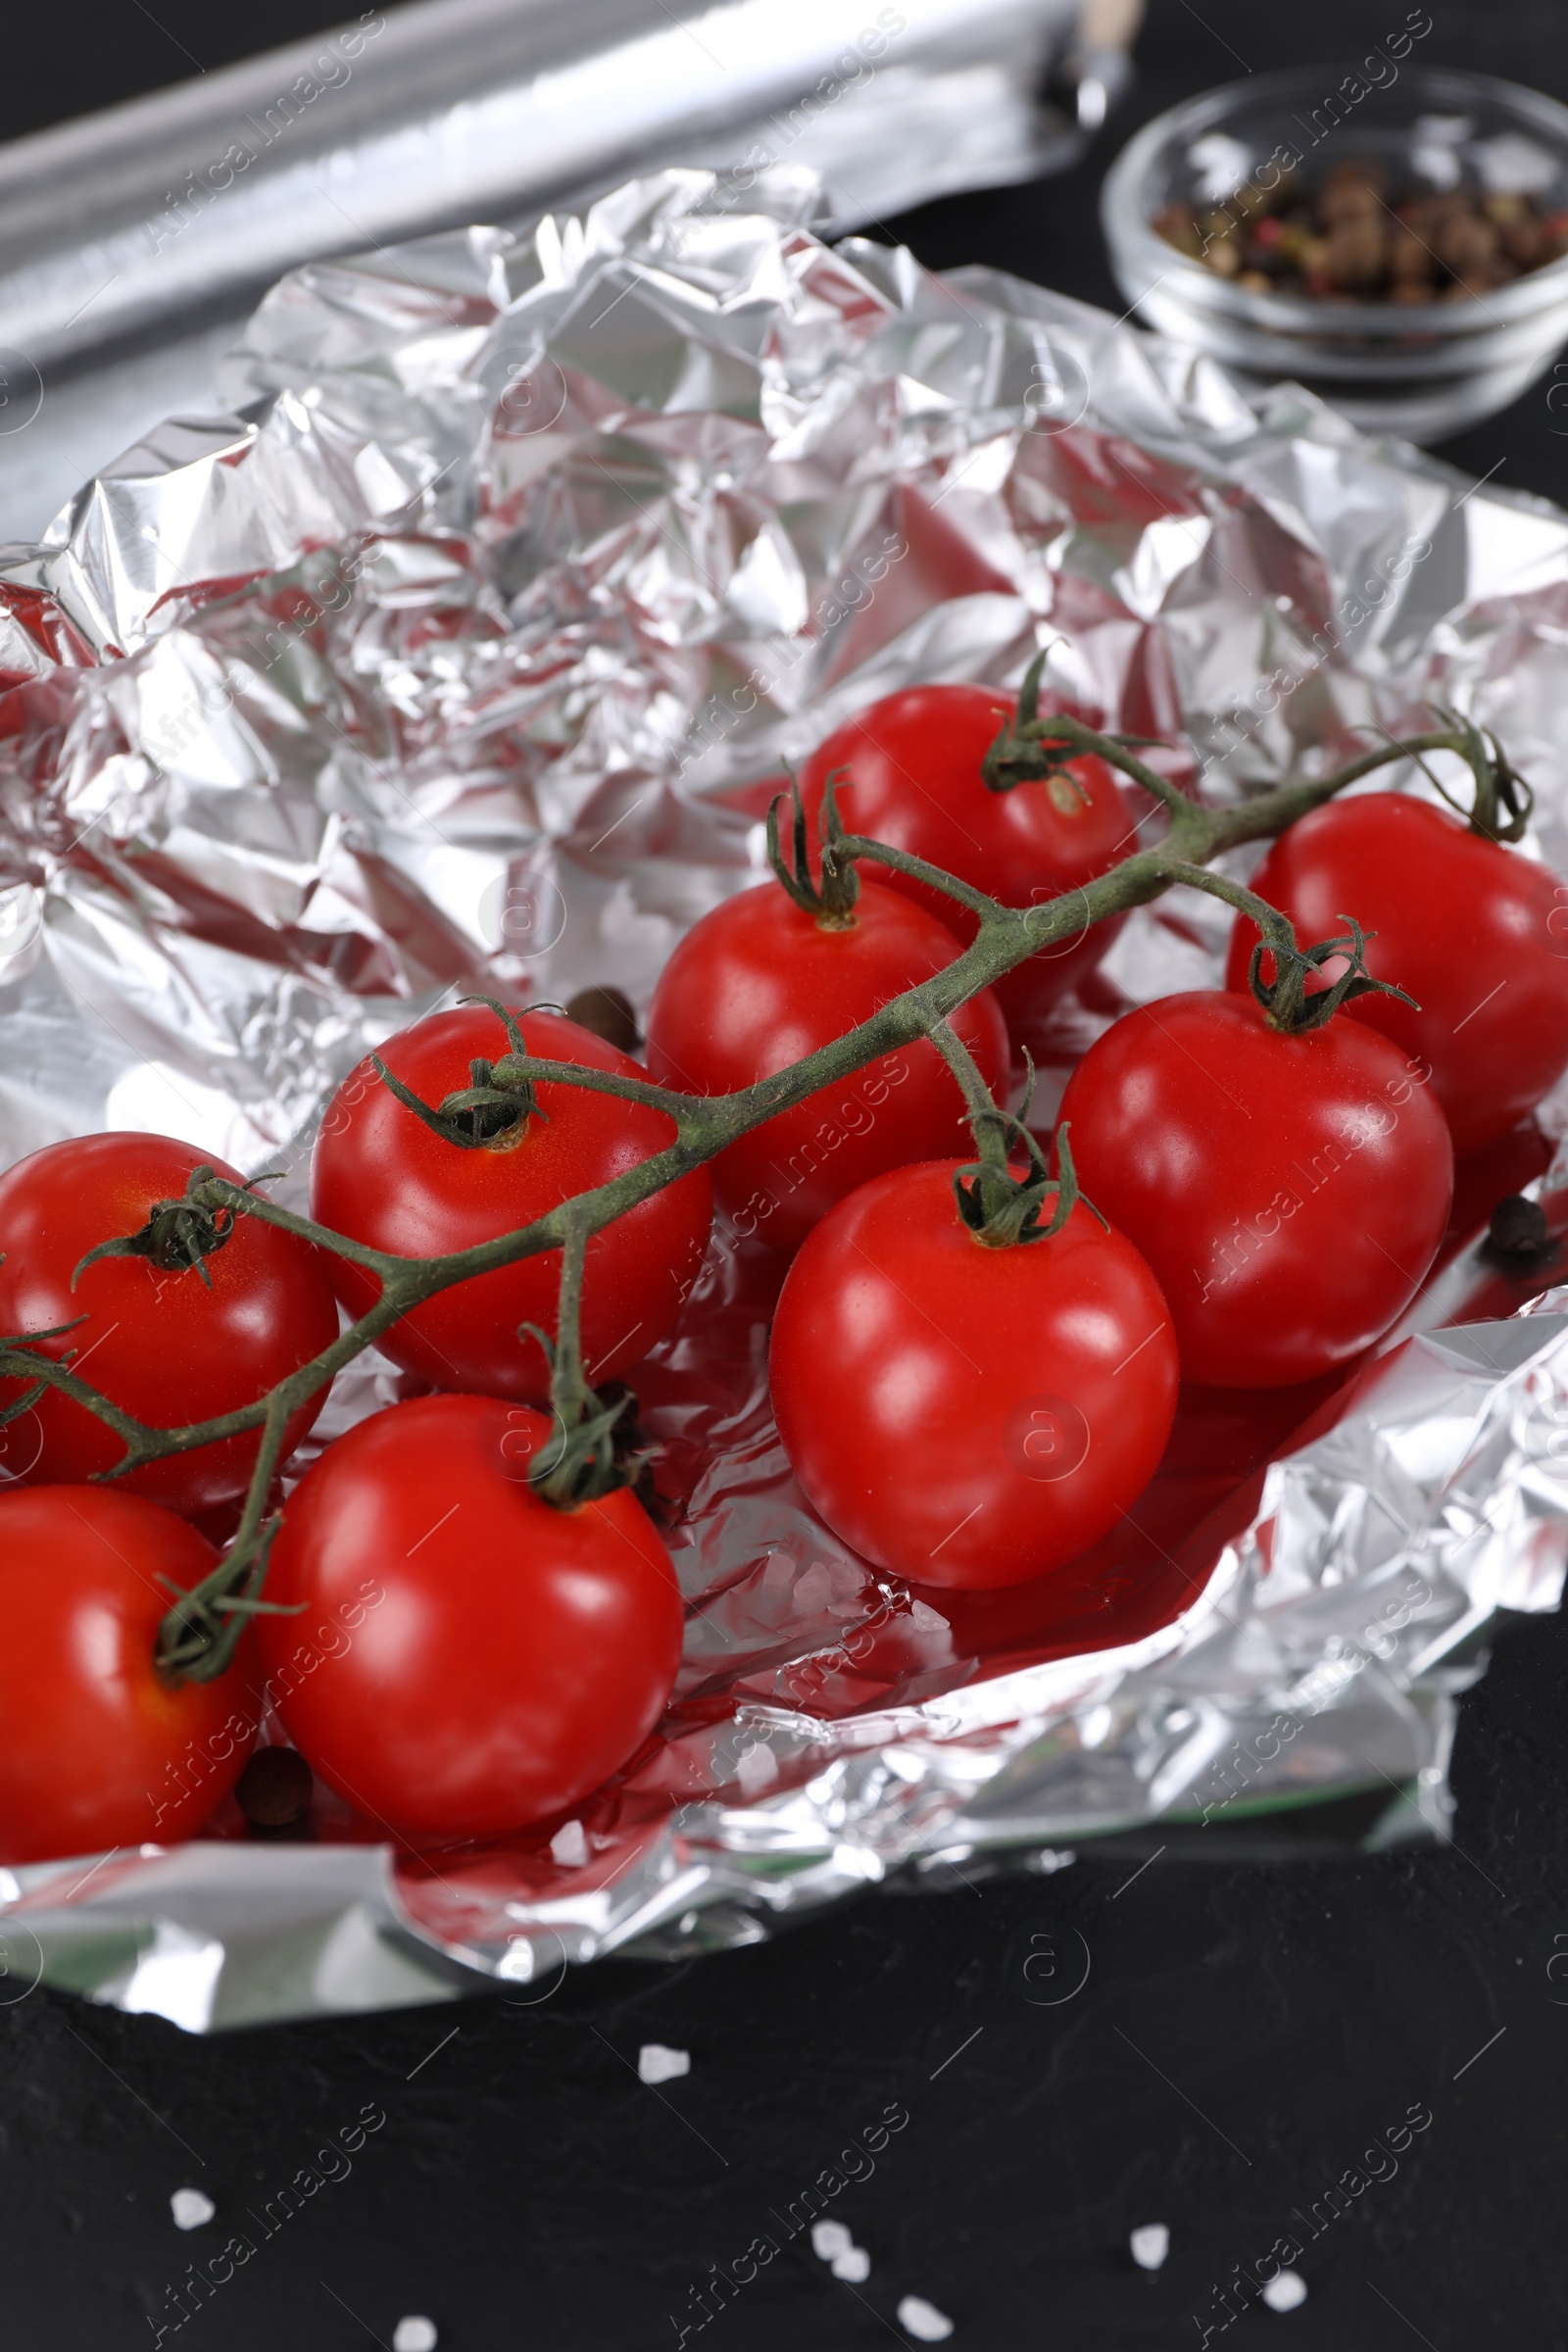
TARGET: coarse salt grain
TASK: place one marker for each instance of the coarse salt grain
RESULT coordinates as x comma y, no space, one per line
923,2320
415,2333
656,2063
1150,2246
190,2208
1286,2292
854,2264
830,2240
570,1846
928,1619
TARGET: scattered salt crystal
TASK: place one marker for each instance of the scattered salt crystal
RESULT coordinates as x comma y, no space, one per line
415,2333
923,2320
780,1569
1286,2292
927,1619
847,1580
658,2064
757,1766
1150,2246
854,2264
830,2240
814,1590
190,2208
571,1848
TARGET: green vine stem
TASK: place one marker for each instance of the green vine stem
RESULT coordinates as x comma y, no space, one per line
1285,998
1002,1209
200,1632
576,1464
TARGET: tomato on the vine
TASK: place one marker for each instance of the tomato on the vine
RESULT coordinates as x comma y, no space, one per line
99,1749
380,1175
1290,1191
962,1414
499,1658
1475,933
149,1333
760,982
909,776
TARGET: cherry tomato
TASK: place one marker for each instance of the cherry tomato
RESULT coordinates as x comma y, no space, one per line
498,1658
99,1750
1290,1192
380,1176
1475,933
965,1415
913,779
760,983
157,1341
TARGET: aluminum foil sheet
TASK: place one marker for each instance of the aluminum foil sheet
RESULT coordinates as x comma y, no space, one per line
465,647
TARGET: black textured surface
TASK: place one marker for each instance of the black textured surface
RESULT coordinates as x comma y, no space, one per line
1244,2037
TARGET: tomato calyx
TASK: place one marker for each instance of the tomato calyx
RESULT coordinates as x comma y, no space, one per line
492,1112
1002,1209
1504,801
577,1462
1031,750
832,901
179,1236
203,1627
1285,998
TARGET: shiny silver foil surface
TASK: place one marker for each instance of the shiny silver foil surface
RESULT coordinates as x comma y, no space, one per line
464,648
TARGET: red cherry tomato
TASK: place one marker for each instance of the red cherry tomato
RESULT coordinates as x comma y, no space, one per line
499,1658
1477,934
380,1176
964,1415
1289,1192
99,1750
758,984
913,779
161,1343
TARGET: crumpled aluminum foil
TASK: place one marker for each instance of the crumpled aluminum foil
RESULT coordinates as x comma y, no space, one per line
465,646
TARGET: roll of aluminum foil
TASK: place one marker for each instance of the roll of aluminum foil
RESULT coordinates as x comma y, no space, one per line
451,111
464,648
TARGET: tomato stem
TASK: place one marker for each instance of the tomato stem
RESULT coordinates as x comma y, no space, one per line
832,901
1001,1208
1504,801
1029,749
178,1237
489,1112
1285,998
577,1463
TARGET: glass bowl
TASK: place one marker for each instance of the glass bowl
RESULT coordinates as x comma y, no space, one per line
1423,369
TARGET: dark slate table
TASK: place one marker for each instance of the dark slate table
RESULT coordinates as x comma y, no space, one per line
1249,2035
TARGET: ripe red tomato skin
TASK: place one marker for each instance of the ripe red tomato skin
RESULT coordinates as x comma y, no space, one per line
758,984
165,1347
907,1361
1289,1192
1463,925
507,1658
99,1750
378,1175
913,781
